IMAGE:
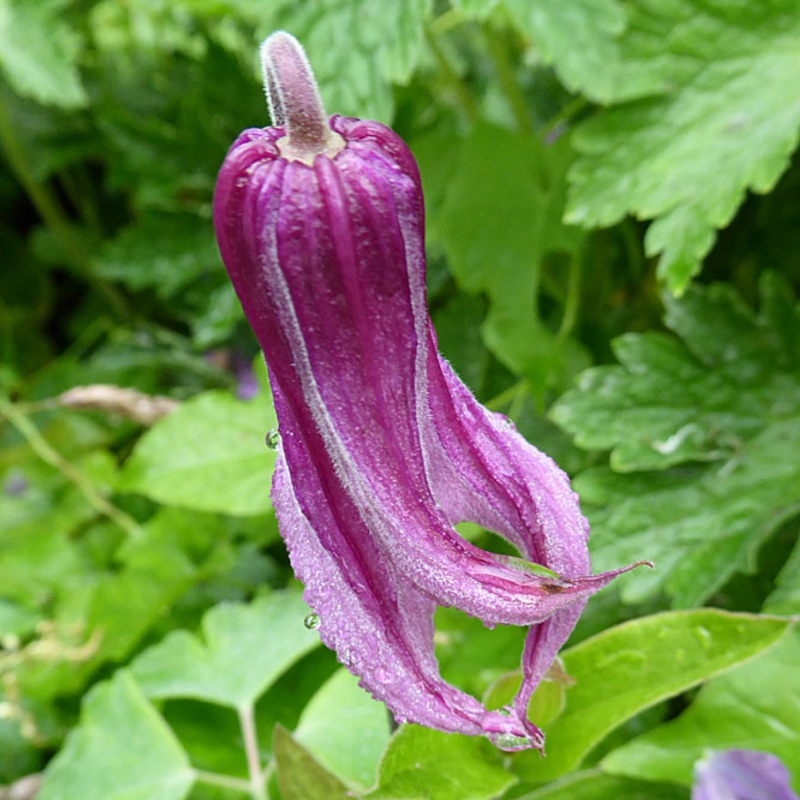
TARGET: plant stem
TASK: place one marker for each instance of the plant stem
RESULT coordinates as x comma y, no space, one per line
570,110
247,720
224,781
508,80
506,397
48,209
51,456
573,301
465,98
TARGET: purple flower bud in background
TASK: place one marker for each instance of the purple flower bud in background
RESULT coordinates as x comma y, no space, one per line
741,775
382,449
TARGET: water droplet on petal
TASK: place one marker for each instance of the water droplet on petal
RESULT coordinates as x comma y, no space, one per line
312,622
273,438
509,741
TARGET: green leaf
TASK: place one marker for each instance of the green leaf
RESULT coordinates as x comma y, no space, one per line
594,785
579,37
756,706
243,650
300,775
173,552
499,219
122,750
162,251
719,126
208,455
384,43
425,764
16,620
38,52
728,393
632,666
346,730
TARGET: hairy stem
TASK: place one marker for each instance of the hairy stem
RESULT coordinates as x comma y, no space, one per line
223,781
51,456
247,720
294,100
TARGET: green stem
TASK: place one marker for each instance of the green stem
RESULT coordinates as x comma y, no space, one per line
50,456
465,98
76,254
573,301
570,110
451,18
508,80
223,781
258,788
500,401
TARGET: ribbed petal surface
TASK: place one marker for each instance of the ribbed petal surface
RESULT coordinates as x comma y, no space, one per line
383,449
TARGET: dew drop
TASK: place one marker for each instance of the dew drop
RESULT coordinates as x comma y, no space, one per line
312,621
273,438
509,741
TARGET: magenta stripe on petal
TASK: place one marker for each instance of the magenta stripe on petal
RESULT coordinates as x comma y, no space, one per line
383,449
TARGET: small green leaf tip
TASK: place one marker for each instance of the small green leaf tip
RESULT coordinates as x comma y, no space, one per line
294,100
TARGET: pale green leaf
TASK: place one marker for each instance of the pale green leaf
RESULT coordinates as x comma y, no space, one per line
383,44
721,125
121,750
346,730
579,37
423,764
242,650
632,666
38,52
208,455
756,707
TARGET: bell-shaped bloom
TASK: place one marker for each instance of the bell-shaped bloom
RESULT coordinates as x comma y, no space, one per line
382,448
741,775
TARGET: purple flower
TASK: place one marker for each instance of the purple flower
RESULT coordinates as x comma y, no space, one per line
382,448
741,775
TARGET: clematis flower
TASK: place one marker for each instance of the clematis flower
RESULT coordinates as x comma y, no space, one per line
741,775
382,448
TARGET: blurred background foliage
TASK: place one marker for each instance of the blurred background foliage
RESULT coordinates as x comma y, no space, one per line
613,234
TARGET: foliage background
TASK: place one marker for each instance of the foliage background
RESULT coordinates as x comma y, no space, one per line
613,237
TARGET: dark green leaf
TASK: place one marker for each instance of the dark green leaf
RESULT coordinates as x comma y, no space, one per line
300,775
594,785
728,394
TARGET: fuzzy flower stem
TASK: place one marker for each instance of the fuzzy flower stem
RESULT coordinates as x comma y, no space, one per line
294,100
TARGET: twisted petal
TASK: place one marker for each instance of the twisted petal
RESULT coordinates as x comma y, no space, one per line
383,449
